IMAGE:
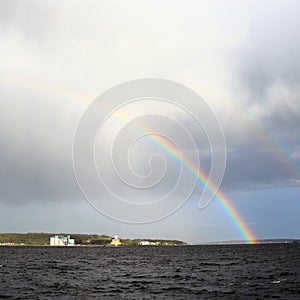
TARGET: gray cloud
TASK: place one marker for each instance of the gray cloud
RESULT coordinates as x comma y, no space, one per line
90,48
36,133
271,51
266,72
56,57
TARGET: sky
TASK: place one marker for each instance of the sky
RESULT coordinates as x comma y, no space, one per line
241,58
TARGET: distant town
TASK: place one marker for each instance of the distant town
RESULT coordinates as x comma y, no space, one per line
76,239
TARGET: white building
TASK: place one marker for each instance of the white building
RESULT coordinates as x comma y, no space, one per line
147,243
61,241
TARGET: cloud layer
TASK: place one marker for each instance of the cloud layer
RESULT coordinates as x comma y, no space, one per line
243,62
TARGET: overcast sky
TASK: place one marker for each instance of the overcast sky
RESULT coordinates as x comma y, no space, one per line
243,59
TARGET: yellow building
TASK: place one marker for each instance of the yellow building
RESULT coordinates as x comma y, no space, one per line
115,241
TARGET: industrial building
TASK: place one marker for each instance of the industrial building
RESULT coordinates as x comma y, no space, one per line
60,240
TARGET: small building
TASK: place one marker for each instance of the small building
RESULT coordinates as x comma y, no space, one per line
144,243
60,240
115,241
147,243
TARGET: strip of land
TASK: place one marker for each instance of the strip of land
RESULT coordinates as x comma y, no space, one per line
263,241
43,239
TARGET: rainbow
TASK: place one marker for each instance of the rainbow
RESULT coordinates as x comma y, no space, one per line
47,87
241,226
230,211
272,142
268,139
202,179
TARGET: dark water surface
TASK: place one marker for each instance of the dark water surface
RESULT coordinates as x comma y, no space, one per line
191,272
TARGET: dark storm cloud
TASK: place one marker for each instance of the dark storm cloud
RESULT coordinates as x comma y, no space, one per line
267,72
264,154
268,68
252,166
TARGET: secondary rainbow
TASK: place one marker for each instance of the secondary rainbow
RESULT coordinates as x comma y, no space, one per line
268,139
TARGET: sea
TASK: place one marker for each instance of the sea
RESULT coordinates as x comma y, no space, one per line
263,271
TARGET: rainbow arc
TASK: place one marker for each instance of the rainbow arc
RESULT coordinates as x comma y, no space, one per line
237,220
